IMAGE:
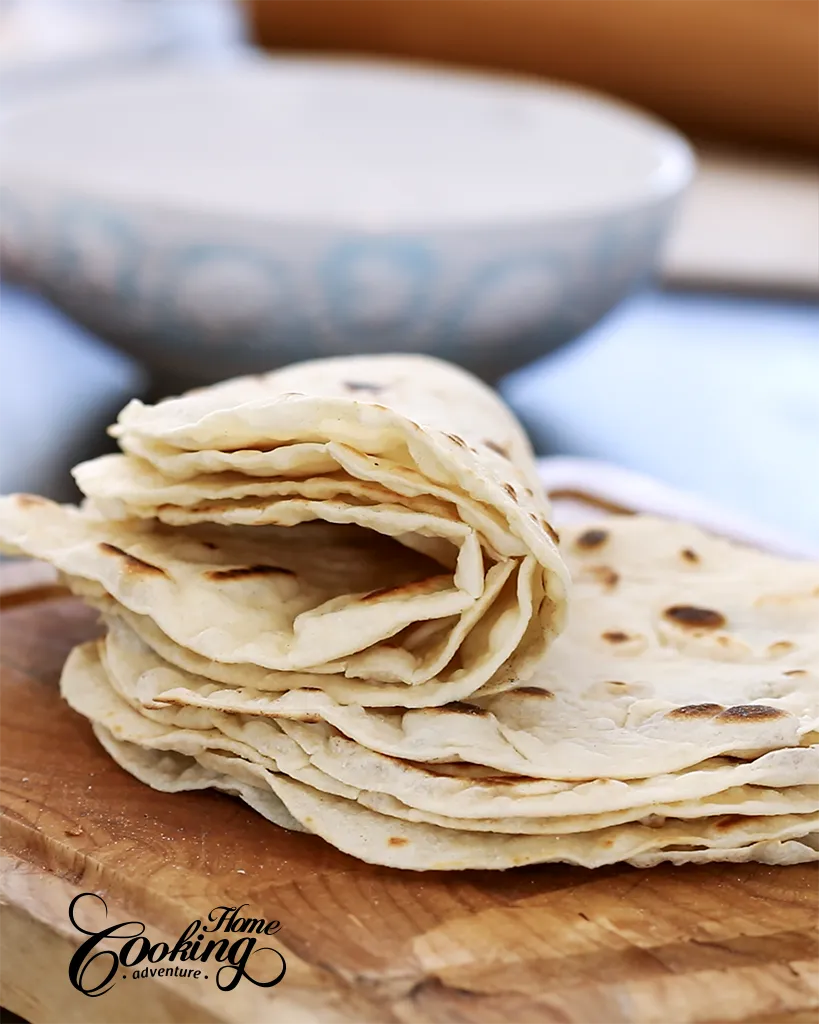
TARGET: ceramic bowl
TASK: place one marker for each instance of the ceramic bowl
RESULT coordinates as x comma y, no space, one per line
47,44
222,220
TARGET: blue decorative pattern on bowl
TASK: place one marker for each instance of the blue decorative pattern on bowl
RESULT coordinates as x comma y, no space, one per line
203,290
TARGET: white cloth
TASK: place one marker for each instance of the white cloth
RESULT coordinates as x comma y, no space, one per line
717,396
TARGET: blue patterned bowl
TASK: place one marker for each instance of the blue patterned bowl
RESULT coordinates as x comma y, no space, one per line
223,220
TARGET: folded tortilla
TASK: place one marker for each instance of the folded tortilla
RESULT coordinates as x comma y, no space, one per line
375,519
657,670
705,747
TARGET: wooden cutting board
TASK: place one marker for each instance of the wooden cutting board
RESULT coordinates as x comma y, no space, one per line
361,943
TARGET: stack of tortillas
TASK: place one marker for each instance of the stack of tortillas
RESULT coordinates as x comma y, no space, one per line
335,591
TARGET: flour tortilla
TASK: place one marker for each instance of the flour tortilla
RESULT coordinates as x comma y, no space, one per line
452,684
316,597
662,697
176,773
405,446
765,654
461,790
100,692
382,838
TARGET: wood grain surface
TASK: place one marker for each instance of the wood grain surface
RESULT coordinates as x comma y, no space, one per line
551,944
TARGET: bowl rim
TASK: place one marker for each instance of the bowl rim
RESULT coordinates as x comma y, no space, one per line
677,160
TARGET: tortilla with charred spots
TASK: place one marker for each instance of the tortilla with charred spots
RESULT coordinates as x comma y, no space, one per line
363,385
547,526
591,539
498,449
615,636
246,572
696,711
555,536
502,780
464,708
425,586
602,574
690,617
733,821
751,712
30,500
247,448
130,562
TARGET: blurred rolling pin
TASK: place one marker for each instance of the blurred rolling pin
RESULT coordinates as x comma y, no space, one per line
742,70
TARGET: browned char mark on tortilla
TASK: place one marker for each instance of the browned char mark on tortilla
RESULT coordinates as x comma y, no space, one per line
457,440
615,636
498,449
210,507
246,572
30,500
604,575
501,780
694,618
689,555
696,711
534,691
464,708
363,385
751,713
796,672
428,585
733,820
510,490
131,562
249,448
547,526
590,539
397,841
